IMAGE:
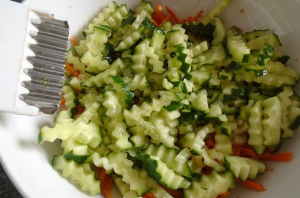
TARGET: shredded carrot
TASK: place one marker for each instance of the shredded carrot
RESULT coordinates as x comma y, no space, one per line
106,186
288,156
102,174
236,150
62,101
206,170
189,19
80,108
247,151
159,17
72,70
74,41
153,21
159,7
173,15
174,193
226,194
148,195
198,15
106,181
251,184
167,18
210,141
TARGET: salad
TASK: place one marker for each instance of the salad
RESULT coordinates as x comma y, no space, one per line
167,108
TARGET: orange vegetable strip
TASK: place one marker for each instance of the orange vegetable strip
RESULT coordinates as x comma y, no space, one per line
226,194
74,41
173,15
106,182
248,152
159,8
288,156
148,195
198,15
252,184
72,70
62,101
174,193
236,150
210,142
168,18
189,19
107,185
102,174
80,109
153,21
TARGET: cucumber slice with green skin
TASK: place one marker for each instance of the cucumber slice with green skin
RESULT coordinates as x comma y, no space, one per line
123,187
79,173
215,56
71,100
213,98
195,141
248,36
168,155
100,79
238,49
199,101
200,48
255,131
285,97
200,77
130,40
74,60
145,5
215,11
223,144
157,190
81,130
77,155
264,54
157,40
271,39
294,117
271,121
210,185
123,167
126,97
244,168
215,113
162,174
95,64
220,31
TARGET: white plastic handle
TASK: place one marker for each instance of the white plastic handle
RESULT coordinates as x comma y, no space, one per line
14,38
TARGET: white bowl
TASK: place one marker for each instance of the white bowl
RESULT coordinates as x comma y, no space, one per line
28,164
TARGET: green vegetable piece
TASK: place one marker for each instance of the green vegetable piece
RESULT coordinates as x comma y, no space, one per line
235,94
173,106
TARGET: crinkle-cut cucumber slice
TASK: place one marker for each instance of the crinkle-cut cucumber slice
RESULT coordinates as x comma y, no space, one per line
161,173
244,168
256,137
210,185
257,43
168,155
238,49
271,121
79,173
